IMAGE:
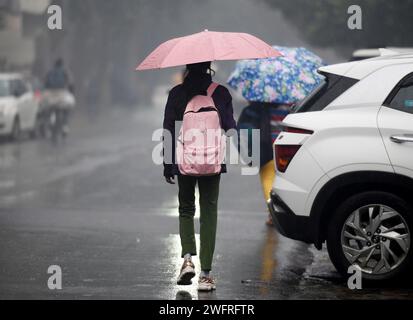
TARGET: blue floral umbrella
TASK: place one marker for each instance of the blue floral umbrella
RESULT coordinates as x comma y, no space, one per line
285,80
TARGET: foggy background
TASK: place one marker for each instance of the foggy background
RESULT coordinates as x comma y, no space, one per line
103,41
97,205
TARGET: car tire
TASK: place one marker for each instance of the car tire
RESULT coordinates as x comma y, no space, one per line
15,134
36,129
339,240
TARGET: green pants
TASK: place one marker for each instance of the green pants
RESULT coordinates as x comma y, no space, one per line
208,200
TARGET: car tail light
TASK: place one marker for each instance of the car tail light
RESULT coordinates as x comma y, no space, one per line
284,154
297,130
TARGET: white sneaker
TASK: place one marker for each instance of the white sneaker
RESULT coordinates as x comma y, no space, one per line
206,284
187,273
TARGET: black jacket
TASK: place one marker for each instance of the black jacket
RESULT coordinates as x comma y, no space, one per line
257,116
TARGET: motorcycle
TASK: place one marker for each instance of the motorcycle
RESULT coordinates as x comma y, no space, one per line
54,115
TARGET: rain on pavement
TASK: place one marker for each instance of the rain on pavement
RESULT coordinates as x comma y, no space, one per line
98,207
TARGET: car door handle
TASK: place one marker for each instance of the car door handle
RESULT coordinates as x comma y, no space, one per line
400,138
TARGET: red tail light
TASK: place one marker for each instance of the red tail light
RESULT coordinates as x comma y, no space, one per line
284,154
297,130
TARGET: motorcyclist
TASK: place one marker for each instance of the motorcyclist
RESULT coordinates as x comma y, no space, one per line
59,89
58,77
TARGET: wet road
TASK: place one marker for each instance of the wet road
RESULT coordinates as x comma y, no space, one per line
98,207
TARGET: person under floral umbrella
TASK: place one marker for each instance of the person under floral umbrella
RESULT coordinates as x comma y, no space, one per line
268,118
272,86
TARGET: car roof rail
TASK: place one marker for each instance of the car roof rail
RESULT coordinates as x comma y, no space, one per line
388,52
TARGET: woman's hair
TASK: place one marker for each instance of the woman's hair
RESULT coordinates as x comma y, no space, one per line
197,78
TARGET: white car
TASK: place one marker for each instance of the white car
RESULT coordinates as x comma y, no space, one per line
362,54
345,167
18,106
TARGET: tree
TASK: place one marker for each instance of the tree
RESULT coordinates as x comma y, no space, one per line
324,22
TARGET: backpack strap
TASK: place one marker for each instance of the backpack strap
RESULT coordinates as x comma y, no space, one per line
211,89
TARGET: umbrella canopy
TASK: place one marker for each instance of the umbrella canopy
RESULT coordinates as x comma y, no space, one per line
207,46
285,80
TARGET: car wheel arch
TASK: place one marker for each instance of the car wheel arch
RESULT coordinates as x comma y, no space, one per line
346,185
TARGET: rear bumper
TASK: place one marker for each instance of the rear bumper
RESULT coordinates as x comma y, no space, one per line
288,223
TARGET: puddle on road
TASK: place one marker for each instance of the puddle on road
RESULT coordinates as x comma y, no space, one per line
268,259
272,275
171,266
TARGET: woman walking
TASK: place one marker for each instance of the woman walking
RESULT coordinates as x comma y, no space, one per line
197,82
200,102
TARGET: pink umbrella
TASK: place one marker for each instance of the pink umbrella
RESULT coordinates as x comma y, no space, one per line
207,46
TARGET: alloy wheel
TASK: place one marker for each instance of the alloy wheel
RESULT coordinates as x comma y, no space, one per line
376,238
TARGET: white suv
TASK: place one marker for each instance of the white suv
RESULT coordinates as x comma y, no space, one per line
345,167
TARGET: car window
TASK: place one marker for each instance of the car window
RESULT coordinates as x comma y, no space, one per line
22,86
4,88
331,88
403,100
18,87
313,95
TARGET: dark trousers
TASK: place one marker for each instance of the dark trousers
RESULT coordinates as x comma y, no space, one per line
208,201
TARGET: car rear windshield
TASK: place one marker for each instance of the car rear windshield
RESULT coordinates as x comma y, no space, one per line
4,88
330,89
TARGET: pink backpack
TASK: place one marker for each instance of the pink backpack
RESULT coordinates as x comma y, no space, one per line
201,144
